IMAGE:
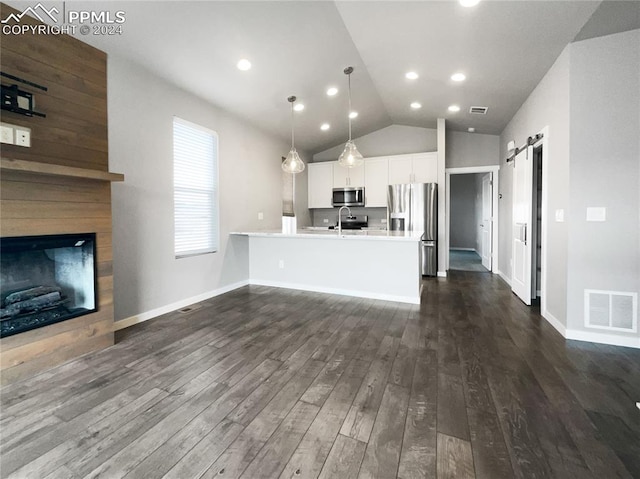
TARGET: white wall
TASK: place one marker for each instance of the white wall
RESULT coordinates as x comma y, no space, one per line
392,140
472,149
548,105
146,274
605,168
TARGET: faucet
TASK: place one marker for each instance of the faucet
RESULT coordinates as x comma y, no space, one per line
340,218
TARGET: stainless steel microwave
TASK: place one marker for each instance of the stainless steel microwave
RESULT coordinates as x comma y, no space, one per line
348,196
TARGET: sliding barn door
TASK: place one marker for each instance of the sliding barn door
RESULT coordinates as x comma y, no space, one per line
522,211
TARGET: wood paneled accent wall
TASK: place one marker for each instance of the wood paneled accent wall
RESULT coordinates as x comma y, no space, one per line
74,134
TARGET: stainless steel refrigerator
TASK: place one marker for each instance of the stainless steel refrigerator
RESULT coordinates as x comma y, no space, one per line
414,207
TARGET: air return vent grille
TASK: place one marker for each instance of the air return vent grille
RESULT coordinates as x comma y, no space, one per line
611,310
478,110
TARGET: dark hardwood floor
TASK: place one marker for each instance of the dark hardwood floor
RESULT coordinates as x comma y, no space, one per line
269,383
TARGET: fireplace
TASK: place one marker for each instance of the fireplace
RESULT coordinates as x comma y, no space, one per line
45,280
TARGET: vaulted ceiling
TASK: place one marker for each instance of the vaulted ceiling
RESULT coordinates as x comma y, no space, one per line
301,48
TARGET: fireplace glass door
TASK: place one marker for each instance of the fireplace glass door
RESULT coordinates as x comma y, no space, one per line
45,280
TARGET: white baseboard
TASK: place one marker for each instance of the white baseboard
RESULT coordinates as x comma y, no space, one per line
504,277
343,292
555,322
612,339
154,313
442,274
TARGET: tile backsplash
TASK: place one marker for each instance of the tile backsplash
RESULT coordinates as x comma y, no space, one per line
376,216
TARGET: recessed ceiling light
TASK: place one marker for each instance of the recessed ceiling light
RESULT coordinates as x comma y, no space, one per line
458,77
454,108
353,114
471,130
325,126
332,91
244,65
411,76
416,106
298,107
469,3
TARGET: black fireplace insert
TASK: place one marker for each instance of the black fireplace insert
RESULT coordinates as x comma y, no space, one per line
45,280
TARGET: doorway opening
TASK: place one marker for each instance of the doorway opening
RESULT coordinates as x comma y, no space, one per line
472,218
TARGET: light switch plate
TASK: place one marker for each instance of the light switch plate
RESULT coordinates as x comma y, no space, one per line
260,215
559,216
325,220
6,133
596,213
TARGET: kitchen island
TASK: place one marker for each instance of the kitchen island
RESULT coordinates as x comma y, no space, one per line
366,263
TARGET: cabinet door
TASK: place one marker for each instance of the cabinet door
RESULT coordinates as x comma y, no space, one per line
425,168
356,175
376,179
340,175
320,177
400,170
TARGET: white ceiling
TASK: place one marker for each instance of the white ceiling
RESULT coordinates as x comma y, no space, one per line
301,47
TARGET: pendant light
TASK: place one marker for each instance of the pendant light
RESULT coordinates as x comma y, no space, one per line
292,163
350,157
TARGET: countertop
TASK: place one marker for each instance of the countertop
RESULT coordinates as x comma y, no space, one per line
375,235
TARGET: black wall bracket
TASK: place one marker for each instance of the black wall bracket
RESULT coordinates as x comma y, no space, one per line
19,101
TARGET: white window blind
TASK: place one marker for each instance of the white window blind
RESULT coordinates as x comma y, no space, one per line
195,189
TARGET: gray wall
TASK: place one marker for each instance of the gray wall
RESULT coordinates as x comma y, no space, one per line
548,105
590,100
146,274
605,168
471,149
464,220
392,140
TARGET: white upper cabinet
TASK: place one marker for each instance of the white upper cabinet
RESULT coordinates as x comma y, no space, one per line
320,186
376,179
417,168
425,167
400,170
343,177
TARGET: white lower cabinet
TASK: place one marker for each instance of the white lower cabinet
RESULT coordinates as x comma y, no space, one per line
320,186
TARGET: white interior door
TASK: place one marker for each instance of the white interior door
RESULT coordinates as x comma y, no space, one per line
521,241
486,225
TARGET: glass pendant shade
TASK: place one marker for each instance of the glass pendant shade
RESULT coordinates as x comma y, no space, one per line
293,163
350,157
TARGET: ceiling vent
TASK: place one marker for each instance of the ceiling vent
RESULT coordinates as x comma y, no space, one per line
478,110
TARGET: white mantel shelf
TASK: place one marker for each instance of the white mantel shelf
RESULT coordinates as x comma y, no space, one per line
367,264
34,167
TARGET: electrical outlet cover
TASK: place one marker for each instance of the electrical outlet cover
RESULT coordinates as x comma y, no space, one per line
23,137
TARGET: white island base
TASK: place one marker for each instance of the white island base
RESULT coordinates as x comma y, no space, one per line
376,265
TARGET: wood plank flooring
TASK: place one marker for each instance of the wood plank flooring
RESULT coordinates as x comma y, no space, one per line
273,383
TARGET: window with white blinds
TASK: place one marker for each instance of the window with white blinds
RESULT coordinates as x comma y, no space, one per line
195,189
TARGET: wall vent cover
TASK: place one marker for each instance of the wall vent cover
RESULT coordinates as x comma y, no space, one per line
478,110
611,310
